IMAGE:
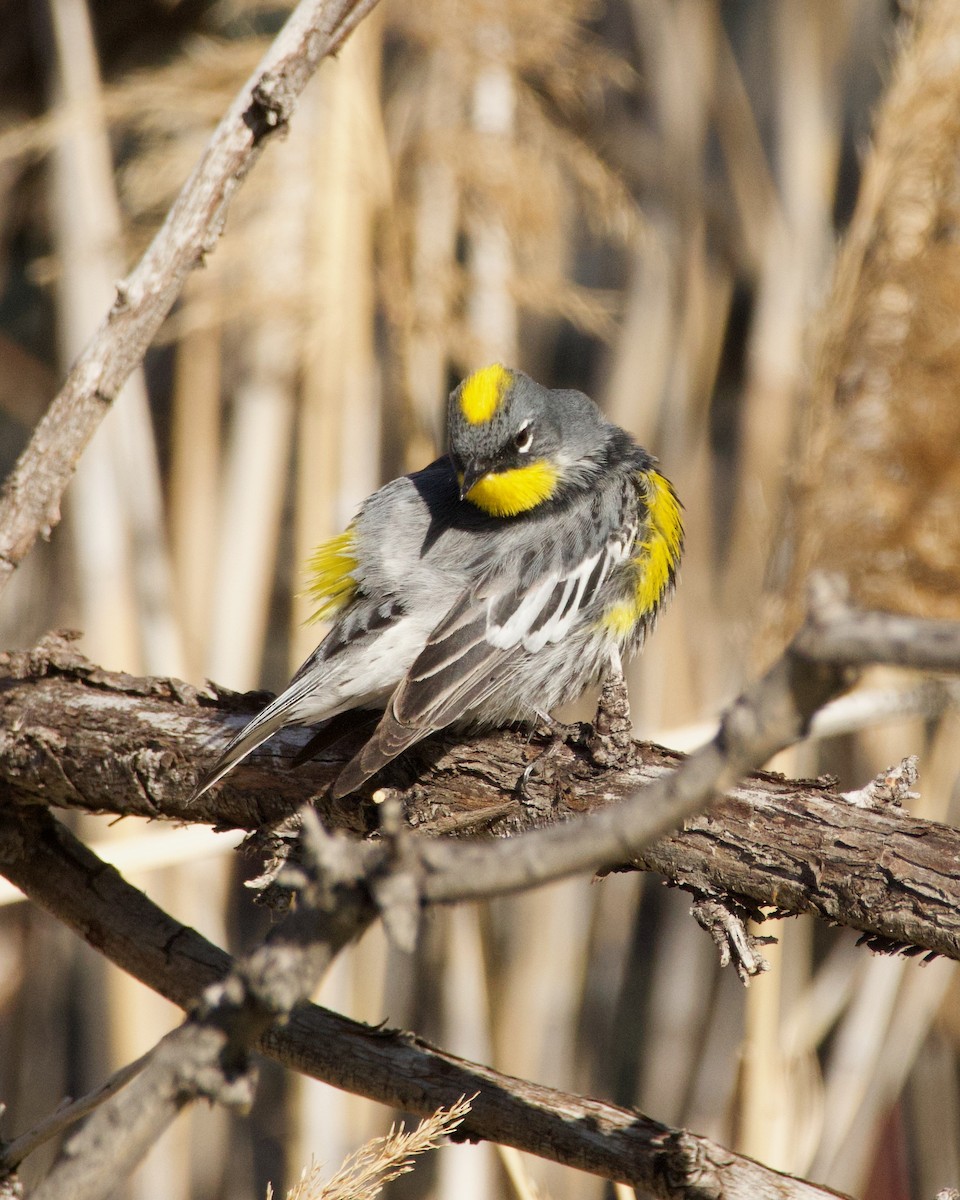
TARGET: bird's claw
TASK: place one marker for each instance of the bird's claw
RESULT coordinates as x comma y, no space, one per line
558,735
541,765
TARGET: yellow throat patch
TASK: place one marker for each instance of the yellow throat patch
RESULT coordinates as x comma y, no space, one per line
655,561
331,583
481,394
506,493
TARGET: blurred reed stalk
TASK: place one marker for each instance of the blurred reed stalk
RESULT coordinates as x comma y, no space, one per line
194,472
491,309
664,361
117,518
809,40
466,1018
339,420
429,312
256,461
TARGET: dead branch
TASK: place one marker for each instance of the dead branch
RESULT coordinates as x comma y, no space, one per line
13,1153
389,1066
30,500
209,1055
76,736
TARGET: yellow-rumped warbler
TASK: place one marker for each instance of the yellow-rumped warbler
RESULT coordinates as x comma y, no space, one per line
492,585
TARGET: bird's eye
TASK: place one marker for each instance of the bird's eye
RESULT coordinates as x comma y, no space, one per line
523,439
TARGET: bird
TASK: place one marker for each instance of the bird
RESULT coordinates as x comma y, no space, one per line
489,587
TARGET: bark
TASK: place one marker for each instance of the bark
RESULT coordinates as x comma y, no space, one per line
75,736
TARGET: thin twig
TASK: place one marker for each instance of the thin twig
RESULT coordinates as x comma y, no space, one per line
13,1153
30,501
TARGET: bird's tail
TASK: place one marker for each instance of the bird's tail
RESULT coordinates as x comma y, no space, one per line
275,716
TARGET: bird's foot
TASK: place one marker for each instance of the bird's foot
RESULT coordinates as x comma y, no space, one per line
558,736
611,743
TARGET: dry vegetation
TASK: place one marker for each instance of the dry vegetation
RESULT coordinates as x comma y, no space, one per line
640,198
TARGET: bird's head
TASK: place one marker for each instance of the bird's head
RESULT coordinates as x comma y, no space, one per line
515,444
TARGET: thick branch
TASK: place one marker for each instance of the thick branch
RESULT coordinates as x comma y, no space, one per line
395,1068
30,501
73,735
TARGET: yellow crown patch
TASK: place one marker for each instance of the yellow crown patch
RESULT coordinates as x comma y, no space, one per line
482,393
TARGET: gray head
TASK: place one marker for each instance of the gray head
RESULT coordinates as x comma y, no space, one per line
515,444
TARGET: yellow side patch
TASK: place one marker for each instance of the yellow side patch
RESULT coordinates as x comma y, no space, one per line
482,393
506,493
329,567
659,552
620,618
656,559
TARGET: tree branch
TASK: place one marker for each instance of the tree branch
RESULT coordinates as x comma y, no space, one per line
208,1056
30,500
342,881
396,1068
73,735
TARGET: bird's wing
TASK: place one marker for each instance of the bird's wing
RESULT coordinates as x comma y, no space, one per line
475,649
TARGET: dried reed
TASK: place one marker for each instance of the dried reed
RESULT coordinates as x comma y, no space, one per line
368,1170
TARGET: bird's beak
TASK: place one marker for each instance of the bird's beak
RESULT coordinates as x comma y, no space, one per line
471,474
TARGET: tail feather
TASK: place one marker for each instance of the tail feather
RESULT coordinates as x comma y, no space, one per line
331,734
389,740
427,701
275,716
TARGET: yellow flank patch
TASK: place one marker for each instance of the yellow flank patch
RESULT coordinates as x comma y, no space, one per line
331,583
620,618
506,493
660,549
482,393
656,558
